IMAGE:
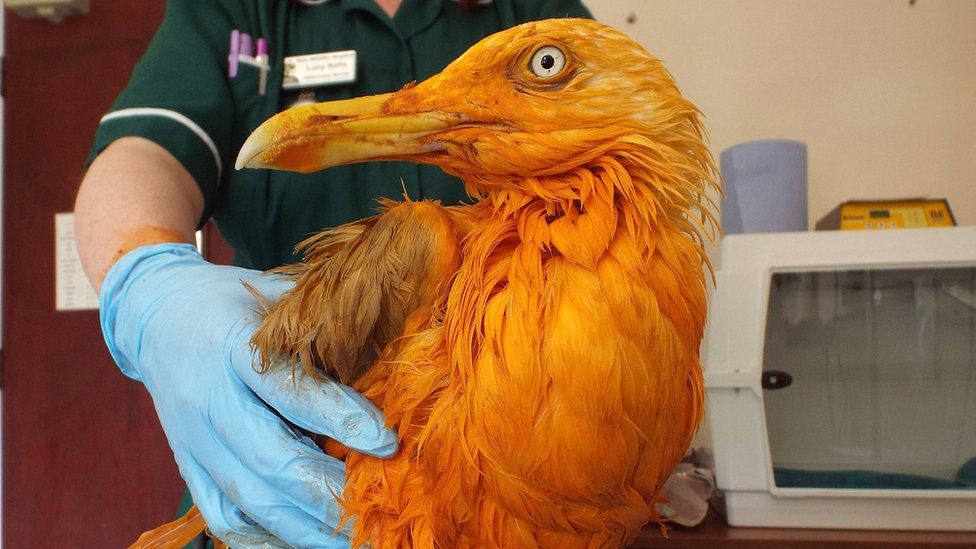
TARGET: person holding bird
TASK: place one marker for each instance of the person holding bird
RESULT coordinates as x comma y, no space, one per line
162,165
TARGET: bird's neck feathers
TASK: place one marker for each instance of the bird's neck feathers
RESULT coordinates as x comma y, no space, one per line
632,182
645,192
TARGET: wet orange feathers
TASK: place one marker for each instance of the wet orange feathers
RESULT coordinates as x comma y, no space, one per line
546,379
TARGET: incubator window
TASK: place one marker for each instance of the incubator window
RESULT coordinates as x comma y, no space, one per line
882,369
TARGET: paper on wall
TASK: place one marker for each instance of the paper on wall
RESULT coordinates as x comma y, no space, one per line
73,291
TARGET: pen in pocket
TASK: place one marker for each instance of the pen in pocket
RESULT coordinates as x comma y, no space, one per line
242,50
262,60
235,43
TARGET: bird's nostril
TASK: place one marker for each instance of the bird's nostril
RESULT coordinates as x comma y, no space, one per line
318,119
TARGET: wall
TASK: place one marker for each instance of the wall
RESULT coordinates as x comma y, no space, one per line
85,462
882,91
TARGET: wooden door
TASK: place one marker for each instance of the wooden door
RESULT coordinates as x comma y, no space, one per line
85,463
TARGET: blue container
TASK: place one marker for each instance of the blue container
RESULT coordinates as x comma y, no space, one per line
765,187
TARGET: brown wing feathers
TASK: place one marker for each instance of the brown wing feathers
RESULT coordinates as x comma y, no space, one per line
355,289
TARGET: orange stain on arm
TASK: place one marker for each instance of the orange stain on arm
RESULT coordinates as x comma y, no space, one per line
145,235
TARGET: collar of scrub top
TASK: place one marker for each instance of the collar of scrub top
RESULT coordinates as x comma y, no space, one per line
317,2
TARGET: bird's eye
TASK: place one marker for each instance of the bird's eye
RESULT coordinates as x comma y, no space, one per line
547,61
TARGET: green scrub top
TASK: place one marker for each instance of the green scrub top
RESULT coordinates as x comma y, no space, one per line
181,97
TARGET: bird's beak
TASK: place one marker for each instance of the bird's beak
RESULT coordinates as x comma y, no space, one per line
314,137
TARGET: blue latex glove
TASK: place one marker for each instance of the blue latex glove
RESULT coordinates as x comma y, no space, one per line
182,327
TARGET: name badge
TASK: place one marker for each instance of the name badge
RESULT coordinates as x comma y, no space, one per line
319,69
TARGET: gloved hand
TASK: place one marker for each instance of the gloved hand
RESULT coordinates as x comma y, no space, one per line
182,327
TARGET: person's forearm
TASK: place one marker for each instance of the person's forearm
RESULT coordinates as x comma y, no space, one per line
135,193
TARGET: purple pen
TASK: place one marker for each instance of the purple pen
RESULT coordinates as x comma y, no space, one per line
235,43
247,45
263,62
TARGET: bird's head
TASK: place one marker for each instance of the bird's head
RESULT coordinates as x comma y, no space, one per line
535,101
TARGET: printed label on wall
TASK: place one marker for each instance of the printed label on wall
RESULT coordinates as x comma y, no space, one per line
72,289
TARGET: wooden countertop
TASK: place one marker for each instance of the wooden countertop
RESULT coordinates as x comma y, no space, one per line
715,533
